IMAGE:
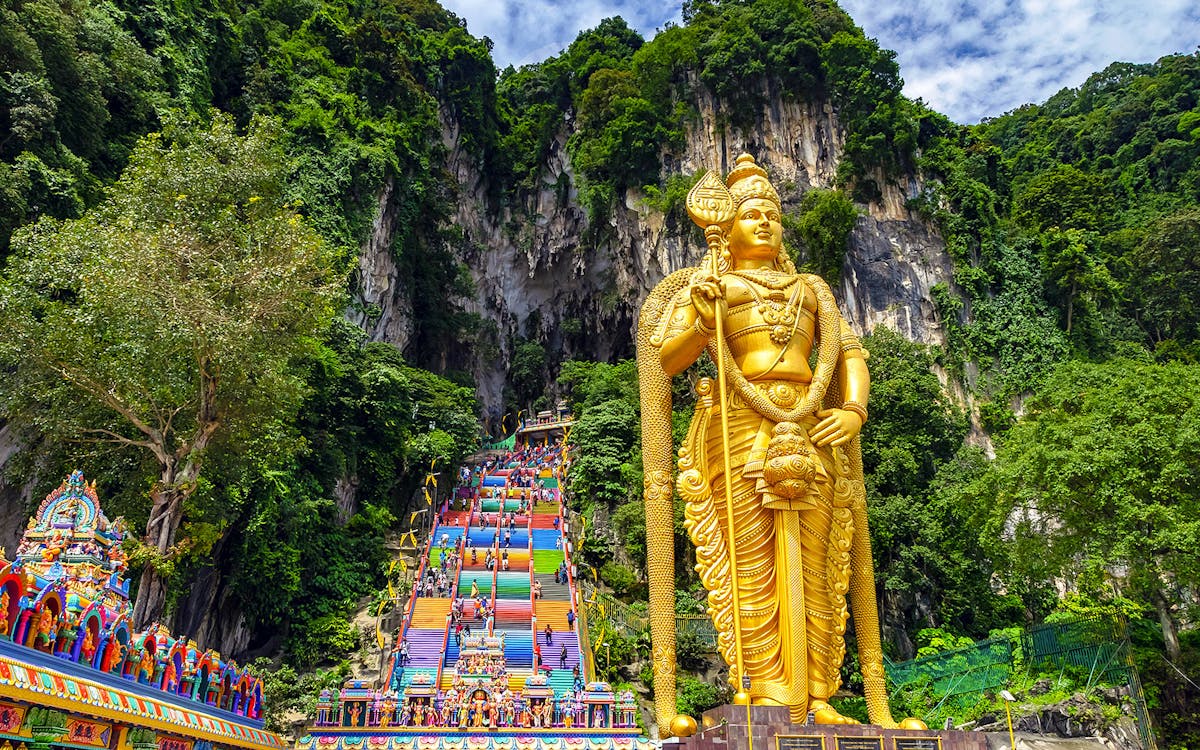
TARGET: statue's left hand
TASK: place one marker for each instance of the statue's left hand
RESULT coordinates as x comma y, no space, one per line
837,427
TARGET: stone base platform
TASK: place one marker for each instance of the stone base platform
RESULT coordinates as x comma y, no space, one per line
724,728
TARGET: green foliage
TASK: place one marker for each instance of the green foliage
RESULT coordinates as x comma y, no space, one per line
741,44
691,652
615,652
1062,197
932,641
632,98
1075,182
285,690
618,577
826,218
629,520
608,432
323,639
1094,478
526,372
1164,280
694,696
671,199
76,92
925,546
853,706
882,128
167,315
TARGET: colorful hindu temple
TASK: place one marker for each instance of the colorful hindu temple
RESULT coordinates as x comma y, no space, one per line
75,674
489,655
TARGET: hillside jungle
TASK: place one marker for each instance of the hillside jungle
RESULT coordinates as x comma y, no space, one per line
226,404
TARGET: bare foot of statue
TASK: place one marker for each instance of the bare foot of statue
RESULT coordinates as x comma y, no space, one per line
826,714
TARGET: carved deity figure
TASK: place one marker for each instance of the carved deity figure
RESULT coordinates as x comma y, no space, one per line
45,633
87,649
4,600
54,547
146,666
771,469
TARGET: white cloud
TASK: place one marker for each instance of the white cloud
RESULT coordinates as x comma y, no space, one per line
981,58
528,31
967,58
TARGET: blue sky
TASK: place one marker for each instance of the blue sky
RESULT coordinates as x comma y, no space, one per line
967,58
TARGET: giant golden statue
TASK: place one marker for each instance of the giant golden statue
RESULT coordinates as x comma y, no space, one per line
782,544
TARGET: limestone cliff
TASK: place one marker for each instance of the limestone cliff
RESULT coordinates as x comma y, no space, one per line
542,271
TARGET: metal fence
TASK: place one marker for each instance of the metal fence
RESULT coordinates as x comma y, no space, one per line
1093,650
630,622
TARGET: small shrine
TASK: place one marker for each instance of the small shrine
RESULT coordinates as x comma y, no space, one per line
481,660
66,620
598,701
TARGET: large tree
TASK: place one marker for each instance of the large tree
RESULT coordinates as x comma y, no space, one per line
1101,474
167,314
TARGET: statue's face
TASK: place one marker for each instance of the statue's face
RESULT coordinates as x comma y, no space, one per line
757,233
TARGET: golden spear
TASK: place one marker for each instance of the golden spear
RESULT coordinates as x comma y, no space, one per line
711,206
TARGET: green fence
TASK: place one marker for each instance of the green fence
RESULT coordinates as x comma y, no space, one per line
506,444
699,628
1094,651
630,622
958,678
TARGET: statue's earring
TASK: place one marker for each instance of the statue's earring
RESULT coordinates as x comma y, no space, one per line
725,261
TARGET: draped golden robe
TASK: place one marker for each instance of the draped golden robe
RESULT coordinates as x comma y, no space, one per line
793,558
793,551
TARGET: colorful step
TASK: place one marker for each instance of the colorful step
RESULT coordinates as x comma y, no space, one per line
408,673
546,538
552,612
518,647
482,577
547,560
430,613
518,559
424,648
552,591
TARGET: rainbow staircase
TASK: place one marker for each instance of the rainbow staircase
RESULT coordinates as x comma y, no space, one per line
535,547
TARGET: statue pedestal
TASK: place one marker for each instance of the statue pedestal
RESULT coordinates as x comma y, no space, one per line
724,728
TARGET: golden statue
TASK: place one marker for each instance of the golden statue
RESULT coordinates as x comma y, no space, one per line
781,546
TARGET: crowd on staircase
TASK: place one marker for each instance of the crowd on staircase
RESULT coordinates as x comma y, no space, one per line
490,635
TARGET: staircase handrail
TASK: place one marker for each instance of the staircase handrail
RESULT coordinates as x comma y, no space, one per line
532,578
461,544
496,553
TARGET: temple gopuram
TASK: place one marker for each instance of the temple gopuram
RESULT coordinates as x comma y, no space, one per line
491,652
75,674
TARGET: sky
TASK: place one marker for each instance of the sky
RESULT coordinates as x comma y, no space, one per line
969,59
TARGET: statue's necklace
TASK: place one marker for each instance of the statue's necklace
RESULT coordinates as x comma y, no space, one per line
768,277
781,316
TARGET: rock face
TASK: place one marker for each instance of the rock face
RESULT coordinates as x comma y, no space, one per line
544,271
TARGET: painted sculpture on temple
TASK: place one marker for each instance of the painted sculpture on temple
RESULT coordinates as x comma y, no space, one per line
64,594
477,704
784,544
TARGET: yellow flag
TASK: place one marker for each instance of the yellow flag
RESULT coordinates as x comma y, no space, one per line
413,518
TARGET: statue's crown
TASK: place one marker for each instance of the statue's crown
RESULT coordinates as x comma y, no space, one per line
748,180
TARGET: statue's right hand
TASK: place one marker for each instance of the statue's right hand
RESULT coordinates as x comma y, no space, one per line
705,295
